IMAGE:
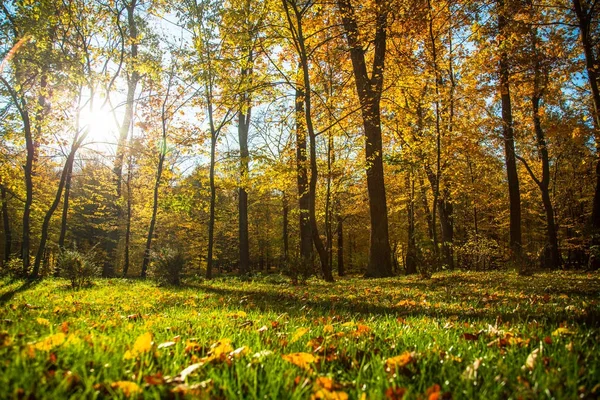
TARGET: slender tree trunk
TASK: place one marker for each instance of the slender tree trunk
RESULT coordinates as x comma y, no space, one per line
302,180
340,241
6,225
211,218
286,210
128,226
447,229
509,141
369,89
296,27
411,251
45,225
133,78
65,210
148,248
243,127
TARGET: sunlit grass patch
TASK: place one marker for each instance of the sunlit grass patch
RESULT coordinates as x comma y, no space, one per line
465,335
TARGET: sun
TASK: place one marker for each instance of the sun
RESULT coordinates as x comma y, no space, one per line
99,124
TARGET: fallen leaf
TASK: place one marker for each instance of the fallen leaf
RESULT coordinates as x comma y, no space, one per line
128,388
183,374
302,360
166,345
298,334
400,361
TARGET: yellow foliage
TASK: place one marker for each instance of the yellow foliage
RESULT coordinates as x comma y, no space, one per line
143,344
298,334
51,342
400,361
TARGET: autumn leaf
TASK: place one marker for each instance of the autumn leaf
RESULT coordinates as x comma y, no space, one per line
302,360
405,303
187,371
166,345
298,334
51,342
128,388
143,344
562,332
400,361
43,321
395,393
532,359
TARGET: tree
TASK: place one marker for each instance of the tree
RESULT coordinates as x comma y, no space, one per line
369,88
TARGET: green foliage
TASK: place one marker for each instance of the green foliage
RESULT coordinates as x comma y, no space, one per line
79,268
167,266
14,267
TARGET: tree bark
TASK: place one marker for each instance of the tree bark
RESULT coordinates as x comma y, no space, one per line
126,260
509,141
302,181
6,225
45,225
340,242
132,80
286,210
411,251
369,89
243,127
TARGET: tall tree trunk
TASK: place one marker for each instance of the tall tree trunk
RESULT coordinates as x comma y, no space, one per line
211,218
126,260
148,248
447,229
369,89
133,78
296,28
514,193
302,180
45,225
243,127
65,209
286,211
340,240
411,251
6,225
584,19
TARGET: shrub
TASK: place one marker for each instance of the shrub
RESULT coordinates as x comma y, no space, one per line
13,267
167,266
479,253
79,268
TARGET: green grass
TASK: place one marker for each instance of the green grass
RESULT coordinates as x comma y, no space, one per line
59,343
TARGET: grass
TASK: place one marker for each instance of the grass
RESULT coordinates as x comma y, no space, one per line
459,335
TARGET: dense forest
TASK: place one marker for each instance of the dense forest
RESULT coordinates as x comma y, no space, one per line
304,136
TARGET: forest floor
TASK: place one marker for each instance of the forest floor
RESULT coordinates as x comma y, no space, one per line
456,335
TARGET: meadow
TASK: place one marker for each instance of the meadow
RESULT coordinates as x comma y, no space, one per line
456,335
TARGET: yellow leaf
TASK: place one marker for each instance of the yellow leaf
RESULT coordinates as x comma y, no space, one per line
43,321
324,394
328,328
302,360
562,332
400,361
298,334
143,343
221,348
128,388
51,342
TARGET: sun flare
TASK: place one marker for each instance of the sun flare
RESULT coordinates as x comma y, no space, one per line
99,124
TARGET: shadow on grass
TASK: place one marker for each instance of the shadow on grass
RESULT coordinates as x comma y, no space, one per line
295,305
26,285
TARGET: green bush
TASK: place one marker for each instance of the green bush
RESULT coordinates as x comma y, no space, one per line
79,268
167,266
479,253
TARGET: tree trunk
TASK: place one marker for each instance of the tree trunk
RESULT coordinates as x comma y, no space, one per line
340,242
132,80
509,142
369,91
211,218
65,210
447,229
45,225
410,264
6,225
286,210
302,180
126,260
148,248
243,127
